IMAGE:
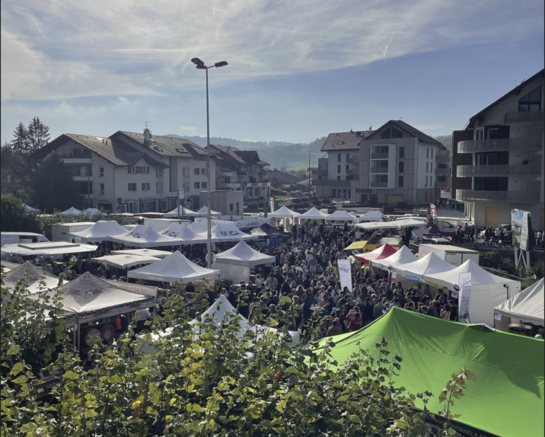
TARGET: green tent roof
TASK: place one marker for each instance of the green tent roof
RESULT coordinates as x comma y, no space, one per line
507,397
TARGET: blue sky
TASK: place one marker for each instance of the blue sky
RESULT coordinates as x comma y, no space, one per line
298,69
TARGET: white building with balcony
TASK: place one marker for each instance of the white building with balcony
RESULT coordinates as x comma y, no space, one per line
498,157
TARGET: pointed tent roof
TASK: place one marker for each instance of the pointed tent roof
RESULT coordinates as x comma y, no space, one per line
283,212
401,257
341,215
173,268
244,255
507,397
88,294
180,230
381,252
200,227
98,232
145,236
125,261
142,252
94,211
266,230
29,208
313,214
33,276
71,211
204,211
229,232
426,265
527,305
184,212
372,215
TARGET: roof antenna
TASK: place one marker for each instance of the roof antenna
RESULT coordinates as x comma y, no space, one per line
401,118
146,123
371,127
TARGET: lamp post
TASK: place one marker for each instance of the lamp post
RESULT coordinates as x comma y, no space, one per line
200,66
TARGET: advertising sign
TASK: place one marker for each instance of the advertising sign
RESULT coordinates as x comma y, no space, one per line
433,211
271,204
345,274
464,282
520,229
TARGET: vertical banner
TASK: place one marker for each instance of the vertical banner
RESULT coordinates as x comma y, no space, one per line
265,207
345,273
464,282
524,232
271,204
433,211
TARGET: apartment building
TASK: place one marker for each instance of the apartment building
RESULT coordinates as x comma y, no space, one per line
130,172
241,170
334,174
498,157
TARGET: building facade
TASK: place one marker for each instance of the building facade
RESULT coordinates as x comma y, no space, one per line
498,157
241,170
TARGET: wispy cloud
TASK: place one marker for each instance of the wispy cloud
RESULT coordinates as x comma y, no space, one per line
60,49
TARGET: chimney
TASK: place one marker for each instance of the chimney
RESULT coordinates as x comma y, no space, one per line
147,137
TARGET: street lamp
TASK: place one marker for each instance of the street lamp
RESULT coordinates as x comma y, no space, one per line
200,66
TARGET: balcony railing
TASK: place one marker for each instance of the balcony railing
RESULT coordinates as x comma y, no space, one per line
500,196
375,184
353,171
520,144
442,158
523,117
442,171
379,156
379,170
497,170
329,182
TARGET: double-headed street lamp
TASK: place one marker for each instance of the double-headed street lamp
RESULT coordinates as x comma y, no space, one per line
200,66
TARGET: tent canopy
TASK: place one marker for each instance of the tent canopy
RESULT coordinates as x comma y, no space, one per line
229,232
398,224
125,261
99,232
180,230
341,215
429,264
507,397
71,211
401,257
183,212
32,276
94,211
203,212
29,208
283,212
372,215
47,248
381,252
145,236
313,214
527,305
242,254
356,245
143,252
266,230
173,268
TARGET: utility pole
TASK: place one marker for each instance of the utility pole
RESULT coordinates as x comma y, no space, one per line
309,172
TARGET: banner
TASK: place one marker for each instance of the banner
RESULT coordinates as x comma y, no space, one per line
433,211
271,204
345,273
464,282
520,229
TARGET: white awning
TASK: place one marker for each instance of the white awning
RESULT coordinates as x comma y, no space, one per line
527,305
341,215
71,211
180,230
393,224
401,257
143,252
181,212
427,265
47,248
35,279
125,261
243,255
228,232
145,236
313,214
98,232
283,212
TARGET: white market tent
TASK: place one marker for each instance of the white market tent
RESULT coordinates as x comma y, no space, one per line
372,216
71,211
427,265
203,212
144,236
200,227
341,215
526,306
235,263
143,252
487,290
94,211
229,232
393,224
47,248
125,261
313,214
30,209
181,211
401,257
180,230
33,276
284,212
173,268
99,232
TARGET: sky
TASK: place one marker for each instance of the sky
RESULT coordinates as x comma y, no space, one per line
298,69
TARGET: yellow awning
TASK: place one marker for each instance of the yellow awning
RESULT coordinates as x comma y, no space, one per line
356,245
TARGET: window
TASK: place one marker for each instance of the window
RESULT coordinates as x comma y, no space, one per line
131,169
196,171
383,178
493,134
401,167
101,171
391,133
186,186
238,208
159,172
426,167
145,186
383,149
230,207
383,164
402,152
431,165
400,181
227,179
426,182
347,157
531,101
204,185
339,157
132,187
347,166
333,193
185,172
431,153
196,185
203,171
101,189
159,188
479,133
427,152
338,178
339,168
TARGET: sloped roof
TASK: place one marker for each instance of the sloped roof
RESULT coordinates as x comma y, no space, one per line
344,140
412,131
166,146
283,177
232,155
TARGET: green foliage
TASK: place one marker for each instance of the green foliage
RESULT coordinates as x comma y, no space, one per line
38,134
15,217
47,221
505,263
53,186
445,140
21,141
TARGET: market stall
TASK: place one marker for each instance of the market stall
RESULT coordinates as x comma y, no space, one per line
185,233
98,232
341,216
180,212
313,214
34,278
125,261
203,212
227,231
235,263
145,236
372,216
71,211
426,265
382,252
525,307
47,248
143,252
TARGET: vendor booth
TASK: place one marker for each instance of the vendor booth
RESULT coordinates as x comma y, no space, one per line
71,211
235,263
372,216
180,212
143,252
341,216
426,265
525,307
401,257
203,212
47,248
145,236
182,231
98,232
125,261
227,231
382,252
313,214
34,278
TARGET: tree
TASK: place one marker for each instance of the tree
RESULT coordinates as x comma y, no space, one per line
15,217
38,134
53,186
21,141
15,173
